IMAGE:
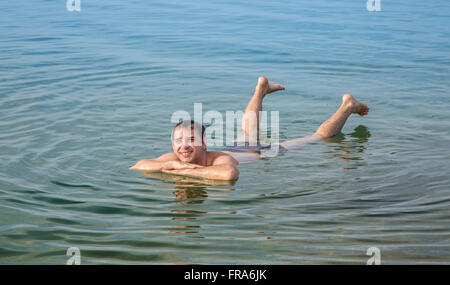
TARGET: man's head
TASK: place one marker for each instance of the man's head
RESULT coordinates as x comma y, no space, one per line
188,141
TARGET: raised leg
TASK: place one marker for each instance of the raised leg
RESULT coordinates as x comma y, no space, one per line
251,117
334,124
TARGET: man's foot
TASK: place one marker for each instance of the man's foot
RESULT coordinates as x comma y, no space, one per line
268,87
355,106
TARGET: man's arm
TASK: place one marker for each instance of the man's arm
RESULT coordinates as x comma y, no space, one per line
165,161
181,180
224,167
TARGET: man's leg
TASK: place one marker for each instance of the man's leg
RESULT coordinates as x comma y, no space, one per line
334,124
251,117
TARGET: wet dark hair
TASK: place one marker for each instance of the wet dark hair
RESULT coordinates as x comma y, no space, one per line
192,124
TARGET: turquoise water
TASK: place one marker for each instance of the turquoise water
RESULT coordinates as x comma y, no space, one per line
84,95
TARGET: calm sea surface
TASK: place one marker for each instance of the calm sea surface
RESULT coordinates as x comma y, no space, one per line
84,95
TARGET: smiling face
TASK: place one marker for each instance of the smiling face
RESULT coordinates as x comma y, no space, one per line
187,144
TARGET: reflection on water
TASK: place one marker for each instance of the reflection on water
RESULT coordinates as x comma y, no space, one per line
189,195
192,190
350,147
189,191
186,228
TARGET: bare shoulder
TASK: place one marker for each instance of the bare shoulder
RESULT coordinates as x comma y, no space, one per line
219,157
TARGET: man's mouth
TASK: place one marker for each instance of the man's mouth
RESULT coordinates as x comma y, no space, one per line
186,153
